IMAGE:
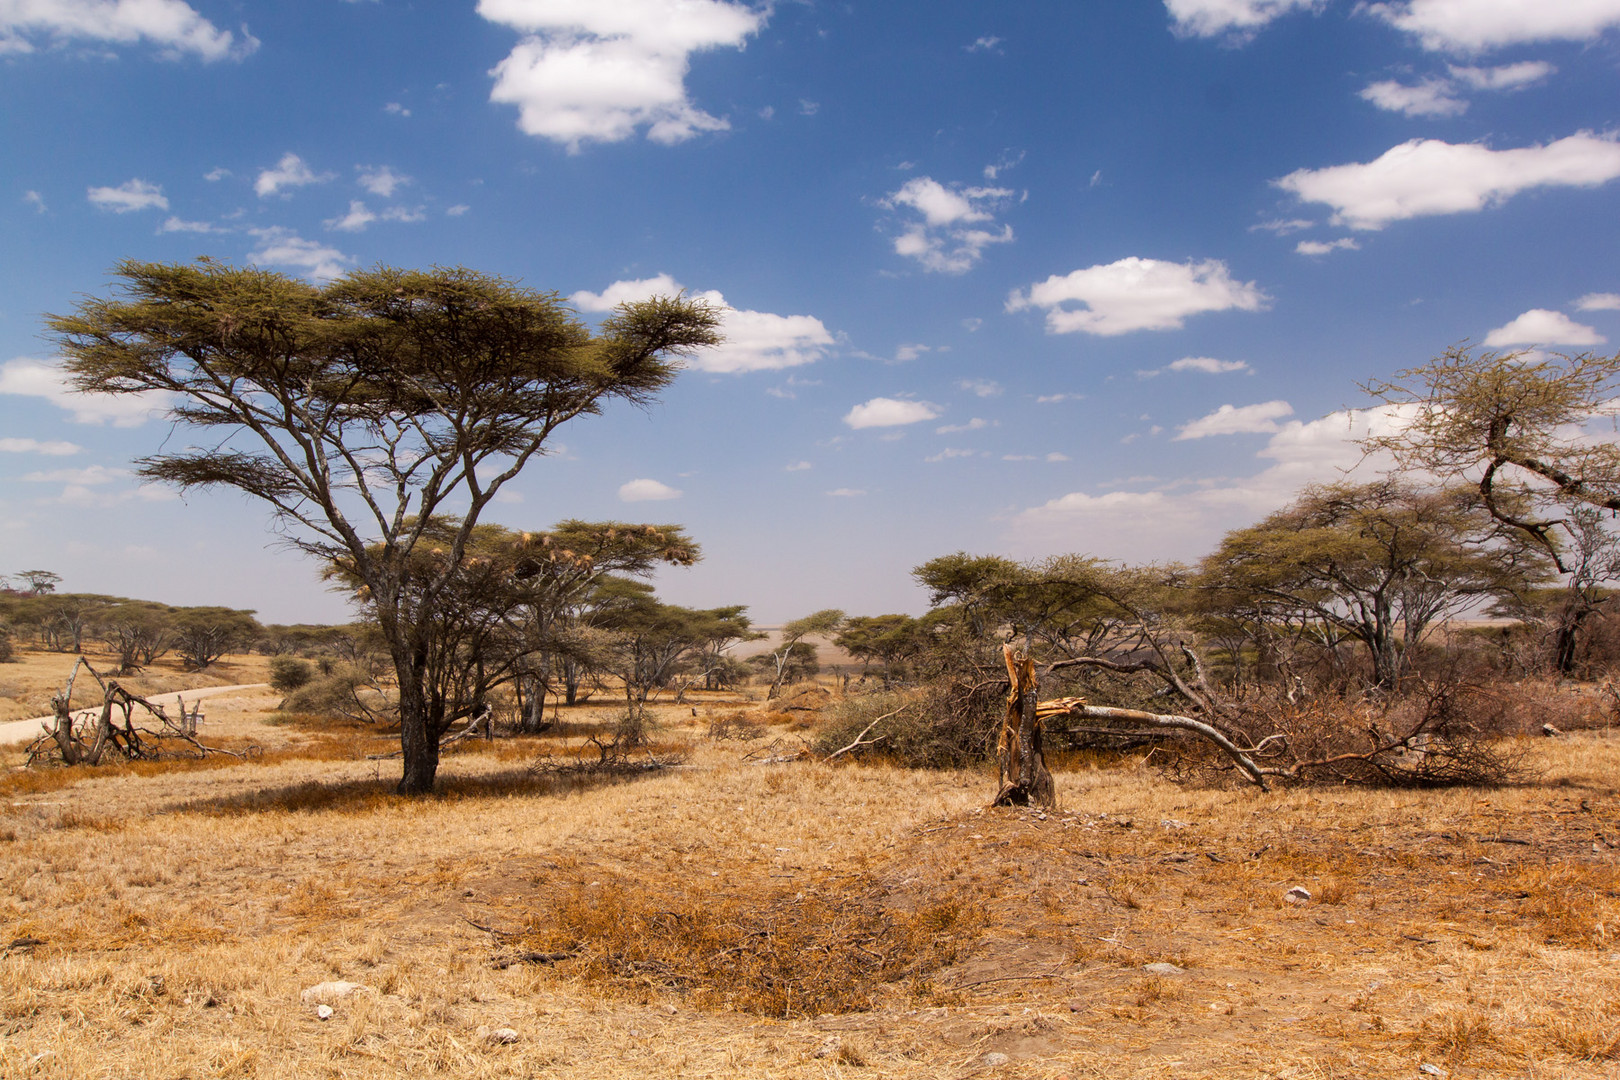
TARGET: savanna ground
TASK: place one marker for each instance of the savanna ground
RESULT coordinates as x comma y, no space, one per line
725,918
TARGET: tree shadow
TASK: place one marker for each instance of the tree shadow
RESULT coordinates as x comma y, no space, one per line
364,796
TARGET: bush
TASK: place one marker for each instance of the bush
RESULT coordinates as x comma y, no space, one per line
347,693
8,651
933,727
288,673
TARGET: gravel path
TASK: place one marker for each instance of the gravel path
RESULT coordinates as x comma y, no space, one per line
22,731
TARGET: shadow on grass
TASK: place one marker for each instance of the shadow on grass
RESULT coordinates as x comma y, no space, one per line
365,796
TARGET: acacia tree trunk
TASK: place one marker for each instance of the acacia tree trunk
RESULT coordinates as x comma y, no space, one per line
418,735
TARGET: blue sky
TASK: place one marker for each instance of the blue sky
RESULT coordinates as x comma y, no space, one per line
1035,278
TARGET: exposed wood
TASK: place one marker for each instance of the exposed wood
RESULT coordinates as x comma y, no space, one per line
1024,776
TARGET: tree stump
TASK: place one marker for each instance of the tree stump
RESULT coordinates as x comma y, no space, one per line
1024,776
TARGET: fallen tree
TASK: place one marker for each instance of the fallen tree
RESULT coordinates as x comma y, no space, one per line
86,739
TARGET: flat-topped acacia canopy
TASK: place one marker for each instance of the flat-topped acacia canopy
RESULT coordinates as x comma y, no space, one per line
358,408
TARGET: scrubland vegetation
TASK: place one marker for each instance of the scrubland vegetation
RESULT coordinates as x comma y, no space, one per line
1337,800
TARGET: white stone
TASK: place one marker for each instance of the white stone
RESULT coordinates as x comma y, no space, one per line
995,1058
323,1012
1298,895
1162,969
333,991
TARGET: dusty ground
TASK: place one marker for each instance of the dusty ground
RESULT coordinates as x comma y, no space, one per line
163,924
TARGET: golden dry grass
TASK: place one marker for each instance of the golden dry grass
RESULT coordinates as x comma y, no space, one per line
714,919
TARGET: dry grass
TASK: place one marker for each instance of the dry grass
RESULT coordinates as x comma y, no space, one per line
725,919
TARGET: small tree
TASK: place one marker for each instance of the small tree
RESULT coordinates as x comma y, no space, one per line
40,582
823,623
361,410
202,635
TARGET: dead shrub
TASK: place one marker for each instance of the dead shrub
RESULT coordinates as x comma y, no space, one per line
825,948
346,693
735,725
1441,734
936,726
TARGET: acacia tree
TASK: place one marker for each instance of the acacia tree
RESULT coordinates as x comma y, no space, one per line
1380,562
822,623
364,410
1512,425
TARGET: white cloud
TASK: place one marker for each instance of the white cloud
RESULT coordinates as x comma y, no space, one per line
847,493
394,108
1282,227
1538,326
1328,247
88,476
1208,365
1504,76
978,423
215,175
890,412
589,71
1212,18
1431,97
1427,176
35,378
950,453
457,210
1599,301
380,180
957,223
1237,420
985,388
290,172
1185,520
984,44
282,247
173,26
1054,399
55,448
905,354
355,220
646,491
798,466
808,108
754,340
1057,456
1137,294
175,224
128,196
36,200
1469,26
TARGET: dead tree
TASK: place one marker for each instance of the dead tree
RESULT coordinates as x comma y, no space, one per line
1024,776
84,745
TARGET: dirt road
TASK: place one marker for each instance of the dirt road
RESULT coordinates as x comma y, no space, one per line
21,731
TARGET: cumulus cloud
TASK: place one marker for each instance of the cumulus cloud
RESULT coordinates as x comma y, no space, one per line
754,340
890,412
1426,176
359,216
380,180
174,27
129,196
1472,26
283,247
1237,420
1538,326
35,378
1326,247
985,388
55,448
1431,97
600,72
290,172
1208,365
1599,301
957,223
1185,520
1137,294
1504,76
1213,18
180,225
644,490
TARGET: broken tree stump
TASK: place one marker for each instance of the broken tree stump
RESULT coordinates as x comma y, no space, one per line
1024,776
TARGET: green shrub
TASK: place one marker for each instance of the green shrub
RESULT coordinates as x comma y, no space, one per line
288,673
